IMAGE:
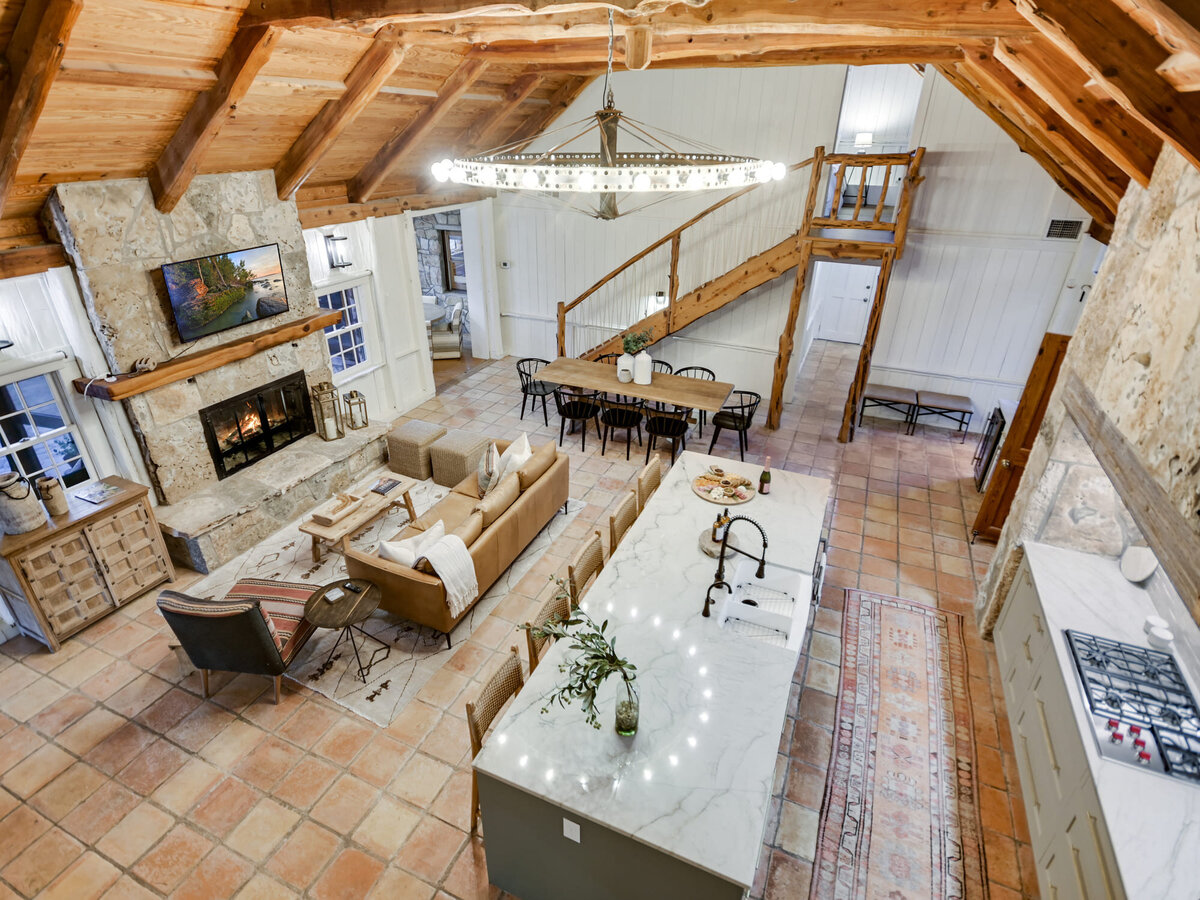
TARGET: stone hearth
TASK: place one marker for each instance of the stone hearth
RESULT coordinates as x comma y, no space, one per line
219,521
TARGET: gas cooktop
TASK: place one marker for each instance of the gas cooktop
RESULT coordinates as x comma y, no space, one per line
1143,712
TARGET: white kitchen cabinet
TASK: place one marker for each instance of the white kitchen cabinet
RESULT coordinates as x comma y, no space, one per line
1068,834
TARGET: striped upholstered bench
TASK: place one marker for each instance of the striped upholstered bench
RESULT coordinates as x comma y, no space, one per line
256,629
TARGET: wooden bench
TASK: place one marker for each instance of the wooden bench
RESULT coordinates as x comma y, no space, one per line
955,407
897,399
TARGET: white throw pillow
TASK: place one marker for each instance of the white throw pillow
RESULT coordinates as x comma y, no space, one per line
513,458
409,550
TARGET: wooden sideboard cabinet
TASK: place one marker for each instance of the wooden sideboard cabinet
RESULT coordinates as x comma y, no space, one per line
83,564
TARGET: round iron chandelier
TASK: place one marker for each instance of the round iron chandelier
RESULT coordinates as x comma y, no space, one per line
662,162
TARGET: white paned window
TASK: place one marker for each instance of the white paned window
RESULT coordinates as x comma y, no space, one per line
347,340
38,437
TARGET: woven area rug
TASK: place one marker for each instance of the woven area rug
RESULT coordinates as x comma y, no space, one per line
415,653
900,819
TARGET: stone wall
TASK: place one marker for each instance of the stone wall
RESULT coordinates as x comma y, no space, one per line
430,265
1137,348
116,241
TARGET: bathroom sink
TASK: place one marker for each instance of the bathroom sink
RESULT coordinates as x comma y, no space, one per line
772,609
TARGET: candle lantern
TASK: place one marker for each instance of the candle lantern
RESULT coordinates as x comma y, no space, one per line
327,411
356,409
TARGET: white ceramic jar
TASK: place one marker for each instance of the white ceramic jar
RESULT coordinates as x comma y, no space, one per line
643,368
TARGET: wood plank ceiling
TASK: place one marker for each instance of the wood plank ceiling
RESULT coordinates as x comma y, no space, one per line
349,100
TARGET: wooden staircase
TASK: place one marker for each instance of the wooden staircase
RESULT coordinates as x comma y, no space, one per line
838,223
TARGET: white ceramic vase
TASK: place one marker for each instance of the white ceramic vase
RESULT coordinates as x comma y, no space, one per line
625,368
643,368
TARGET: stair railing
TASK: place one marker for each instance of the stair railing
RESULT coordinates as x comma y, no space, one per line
860,187
724,234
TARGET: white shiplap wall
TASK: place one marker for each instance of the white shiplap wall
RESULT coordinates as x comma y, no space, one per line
555,254
968,303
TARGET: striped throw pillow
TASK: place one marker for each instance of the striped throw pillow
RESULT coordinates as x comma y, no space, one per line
489,465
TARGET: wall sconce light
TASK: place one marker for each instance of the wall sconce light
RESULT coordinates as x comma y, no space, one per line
334,246
863,140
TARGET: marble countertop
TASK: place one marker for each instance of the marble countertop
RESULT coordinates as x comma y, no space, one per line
696,780
1153,820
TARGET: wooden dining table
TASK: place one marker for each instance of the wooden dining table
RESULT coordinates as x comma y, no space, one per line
693,393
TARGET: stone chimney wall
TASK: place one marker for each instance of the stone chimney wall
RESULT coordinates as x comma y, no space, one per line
117,240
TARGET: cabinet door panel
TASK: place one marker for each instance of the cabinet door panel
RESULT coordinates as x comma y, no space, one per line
1022,638
127,548
66,583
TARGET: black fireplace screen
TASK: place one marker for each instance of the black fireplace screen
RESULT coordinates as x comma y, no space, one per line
253,425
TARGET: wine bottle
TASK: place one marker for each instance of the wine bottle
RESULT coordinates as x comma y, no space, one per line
720,526
764,480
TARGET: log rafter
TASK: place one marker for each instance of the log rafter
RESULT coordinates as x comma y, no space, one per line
367,181
1066,180
362,84
179,161
1119,54
32,58
1067,145
1122,137
483,129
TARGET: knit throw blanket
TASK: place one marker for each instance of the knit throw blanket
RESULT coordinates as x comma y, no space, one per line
453,564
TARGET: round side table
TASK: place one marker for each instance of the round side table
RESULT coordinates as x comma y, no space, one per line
346,614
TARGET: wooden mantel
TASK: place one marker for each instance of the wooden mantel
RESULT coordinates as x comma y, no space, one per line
125,386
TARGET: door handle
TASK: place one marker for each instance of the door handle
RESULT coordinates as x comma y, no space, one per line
1006,463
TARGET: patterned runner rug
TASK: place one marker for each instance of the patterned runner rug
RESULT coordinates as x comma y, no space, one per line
415,653
900,819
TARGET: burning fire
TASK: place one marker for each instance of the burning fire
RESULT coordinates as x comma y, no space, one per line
249,424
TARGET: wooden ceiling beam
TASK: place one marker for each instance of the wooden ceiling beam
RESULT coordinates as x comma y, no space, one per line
176,166
362,84
1062,85
1071,148
481,131
594,52
1069,183
540,119
367,181
542,19
32,58
1113,49
1175,23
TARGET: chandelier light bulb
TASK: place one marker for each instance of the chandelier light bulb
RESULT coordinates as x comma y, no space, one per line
586,182
441,170
778,171
458,174
737,178
530,179
641,182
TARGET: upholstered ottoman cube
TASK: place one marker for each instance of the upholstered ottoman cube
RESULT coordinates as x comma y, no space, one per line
456,455
408,448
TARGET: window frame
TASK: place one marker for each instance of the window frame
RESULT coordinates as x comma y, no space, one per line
454,280
71,427
360,285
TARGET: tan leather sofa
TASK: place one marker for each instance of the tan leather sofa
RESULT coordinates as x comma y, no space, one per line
494,530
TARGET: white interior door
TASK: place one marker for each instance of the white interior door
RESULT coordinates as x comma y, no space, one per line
845,302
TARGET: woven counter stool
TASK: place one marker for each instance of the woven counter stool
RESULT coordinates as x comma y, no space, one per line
408,448
455,455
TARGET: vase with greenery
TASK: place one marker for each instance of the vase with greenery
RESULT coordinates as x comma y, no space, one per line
636,341
643,368
593,660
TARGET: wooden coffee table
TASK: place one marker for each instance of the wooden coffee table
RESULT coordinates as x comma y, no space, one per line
346,614
372,506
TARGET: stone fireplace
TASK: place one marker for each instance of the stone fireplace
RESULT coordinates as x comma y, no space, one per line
252,425
223,490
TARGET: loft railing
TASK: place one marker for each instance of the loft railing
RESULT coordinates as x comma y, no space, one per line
845,191
726,233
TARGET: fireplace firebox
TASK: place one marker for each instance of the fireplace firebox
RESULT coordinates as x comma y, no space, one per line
246,428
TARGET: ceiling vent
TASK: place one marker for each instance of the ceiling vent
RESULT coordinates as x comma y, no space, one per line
1065,229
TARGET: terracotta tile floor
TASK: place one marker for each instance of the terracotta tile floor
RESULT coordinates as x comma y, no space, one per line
116,780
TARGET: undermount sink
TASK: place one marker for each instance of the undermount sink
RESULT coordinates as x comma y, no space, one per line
772,609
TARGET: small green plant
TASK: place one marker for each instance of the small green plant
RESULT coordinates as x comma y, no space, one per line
595,658
636,341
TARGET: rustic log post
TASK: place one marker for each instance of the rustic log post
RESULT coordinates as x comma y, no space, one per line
562,328
787,336
863,370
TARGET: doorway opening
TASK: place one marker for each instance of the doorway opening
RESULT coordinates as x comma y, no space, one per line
842,295
442,267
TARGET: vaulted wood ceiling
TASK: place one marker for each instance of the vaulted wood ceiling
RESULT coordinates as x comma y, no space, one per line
349,100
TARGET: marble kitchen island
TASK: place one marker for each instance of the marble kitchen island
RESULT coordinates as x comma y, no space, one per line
679,809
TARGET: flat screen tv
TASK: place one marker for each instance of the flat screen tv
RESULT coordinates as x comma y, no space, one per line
212,293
